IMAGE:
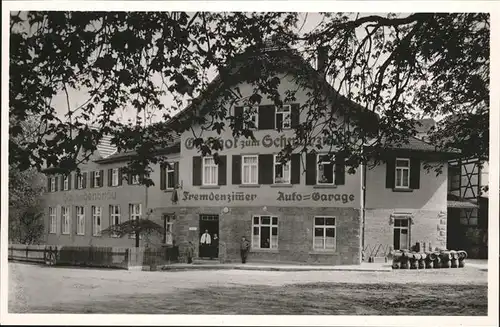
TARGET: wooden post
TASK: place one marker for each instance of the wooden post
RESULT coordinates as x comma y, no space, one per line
164,229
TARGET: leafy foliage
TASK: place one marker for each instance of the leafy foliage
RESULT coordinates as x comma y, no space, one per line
26,224
399,67
136,227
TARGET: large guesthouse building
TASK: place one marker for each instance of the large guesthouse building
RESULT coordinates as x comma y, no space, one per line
308,209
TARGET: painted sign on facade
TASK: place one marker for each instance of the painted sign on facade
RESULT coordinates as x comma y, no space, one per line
291,197
267,141
90,196
315,196
222,197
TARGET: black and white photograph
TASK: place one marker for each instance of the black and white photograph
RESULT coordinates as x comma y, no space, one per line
250,163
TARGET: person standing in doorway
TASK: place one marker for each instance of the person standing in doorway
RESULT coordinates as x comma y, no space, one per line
215,247
244,248
205,242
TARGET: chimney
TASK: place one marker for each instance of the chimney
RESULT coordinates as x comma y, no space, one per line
322,59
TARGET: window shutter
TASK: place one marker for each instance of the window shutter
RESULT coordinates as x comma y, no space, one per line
49,179
163,176
295,178
120,176
390,174
110,177
311,169
69,181
56,183
84,184
76,179
238,114
415,173
236,170
61,179
176,174
92,173
197,170
295,114
266,162
267,115
101,181
339,169
129,178
222,167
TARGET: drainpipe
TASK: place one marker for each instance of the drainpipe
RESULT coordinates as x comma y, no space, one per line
363,205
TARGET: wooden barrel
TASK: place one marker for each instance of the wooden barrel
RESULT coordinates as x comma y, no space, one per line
397,257
462,255
431,255
445,259
437,262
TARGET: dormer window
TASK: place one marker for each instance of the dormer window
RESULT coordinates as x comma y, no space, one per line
326,170
402,173
283,117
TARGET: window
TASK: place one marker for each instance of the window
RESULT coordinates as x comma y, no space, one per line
265,232
66,183
324,233
80,220
454,177
114,177
168,229
326,170
170,173
402,173
135,179
135,213
114,217
52,184
281,171
250,166
79,181
97,178
96,221
251,114
210,171
65,220
52,220
283,117
401,234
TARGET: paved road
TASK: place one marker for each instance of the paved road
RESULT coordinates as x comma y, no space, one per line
33,285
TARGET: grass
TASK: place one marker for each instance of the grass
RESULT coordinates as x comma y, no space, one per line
297,299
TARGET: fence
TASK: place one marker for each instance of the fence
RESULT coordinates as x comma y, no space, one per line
93,256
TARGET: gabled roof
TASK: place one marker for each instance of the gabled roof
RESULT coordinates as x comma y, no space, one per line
454,201
425,125
105,148
122,156
295,62
417,144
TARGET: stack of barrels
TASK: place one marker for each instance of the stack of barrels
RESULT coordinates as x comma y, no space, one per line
429,260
